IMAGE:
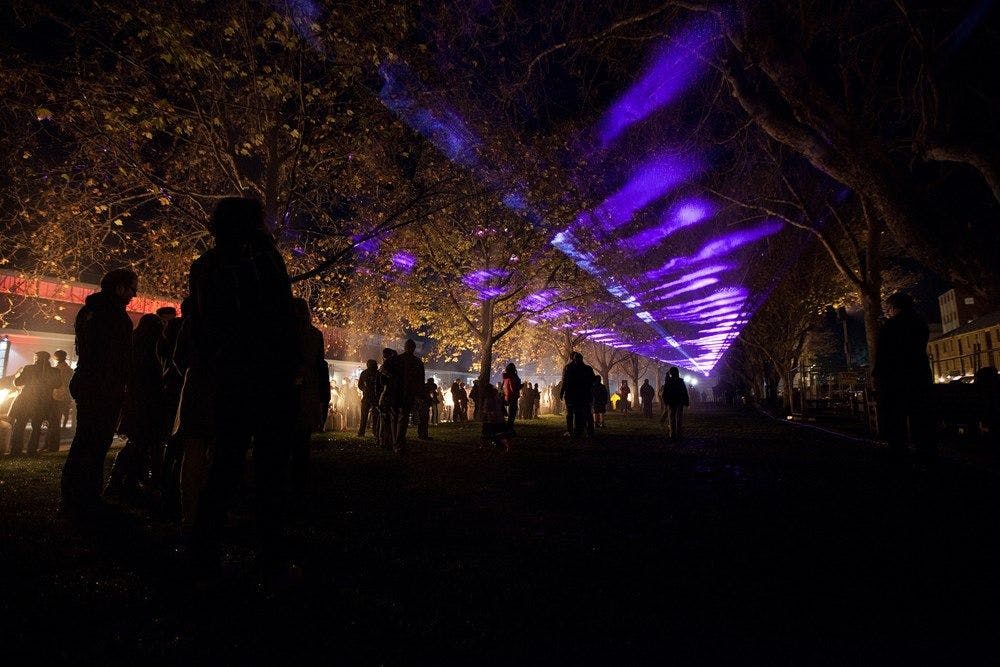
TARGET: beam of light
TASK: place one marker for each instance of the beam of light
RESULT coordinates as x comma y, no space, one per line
404,261
684,214
687,278
676,65
649,182
718,248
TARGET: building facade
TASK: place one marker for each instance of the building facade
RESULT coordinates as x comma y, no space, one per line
959,352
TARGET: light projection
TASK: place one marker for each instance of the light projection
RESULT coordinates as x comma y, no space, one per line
665,251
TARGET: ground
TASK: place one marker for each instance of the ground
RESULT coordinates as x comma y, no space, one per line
752,541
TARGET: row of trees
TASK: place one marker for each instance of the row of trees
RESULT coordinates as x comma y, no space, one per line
864,126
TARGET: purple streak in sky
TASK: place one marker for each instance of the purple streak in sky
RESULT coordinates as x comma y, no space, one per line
717,248
681,215
676,65
404,261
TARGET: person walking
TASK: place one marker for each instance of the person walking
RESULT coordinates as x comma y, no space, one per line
103,351
675,397
511,392
34,404
646,396
902,379
601,400
242,279
60,405
368,385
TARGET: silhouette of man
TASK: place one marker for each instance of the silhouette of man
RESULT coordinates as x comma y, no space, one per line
601,399
166,313
103,351
576,388
383,427
406,373
243,279
368,384
60,405
33,404
476,394
424,402
313,379
646,395
902,378
674,396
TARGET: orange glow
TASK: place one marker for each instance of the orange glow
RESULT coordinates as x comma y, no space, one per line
71,292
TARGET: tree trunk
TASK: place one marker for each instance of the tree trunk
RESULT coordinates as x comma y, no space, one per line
486,342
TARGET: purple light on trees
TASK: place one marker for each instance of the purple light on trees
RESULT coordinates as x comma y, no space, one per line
649,182
404,261
676,65
717,248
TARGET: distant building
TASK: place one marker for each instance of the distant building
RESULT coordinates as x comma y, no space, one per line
960,352
959,308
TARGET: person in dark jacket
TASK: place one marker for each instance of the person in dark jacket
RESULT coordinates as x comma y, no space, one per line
424,406
382,426
476,394
104,353
313,380
674,396
601,399
60,405
241,307
457,414
576,388
169,478
624,392
646,396
511,393
368,385
406,385
33,404
142,417
902,378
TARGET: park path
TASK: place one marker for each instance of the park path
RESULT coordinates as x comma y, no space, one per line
751,538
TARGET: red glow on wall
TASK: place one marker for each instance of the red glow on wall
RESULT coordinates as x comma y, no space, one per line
71,292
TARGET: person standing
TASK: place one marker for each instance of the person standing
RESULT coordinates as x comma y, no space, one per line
457,414
623,393
60,405
601,399
241,280
34,404
463,401
647,395
407,372
675,397
142,416
902,379
103,351
382,426
368,385
476,394
426,404
576,388
536,401
511,393
313,380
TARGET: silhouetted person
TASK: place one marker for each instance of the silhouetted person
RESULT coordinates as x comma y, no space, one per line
623,393
436,409
601,400
241,308
576,388
902,378
536,401
496,431
368,384
172,383
646,396
426,402
383,429
104,352
313,380
142,418
476,394
34,404
511,392
674,396
406,388
526,401
166,313
457,414
60,406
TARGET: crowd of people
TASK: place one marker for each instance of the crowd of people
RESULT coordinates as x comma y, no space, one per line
178,389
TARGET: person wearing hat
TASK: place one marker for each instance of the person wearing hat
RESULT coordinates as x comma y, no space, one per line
33,404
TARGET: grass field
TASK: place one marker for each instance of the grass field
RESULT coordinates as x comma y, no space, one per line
750,541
